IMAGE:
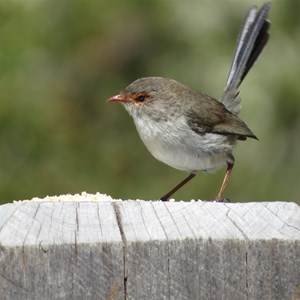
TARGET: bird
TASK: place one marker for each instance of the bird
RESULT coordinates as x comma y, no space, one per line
189,130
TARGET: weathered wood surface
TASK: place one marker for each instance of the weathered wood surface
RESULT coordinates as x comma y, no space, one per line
90,247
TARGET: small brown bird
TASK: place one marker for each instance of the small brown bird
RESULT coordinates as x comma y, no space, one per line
189,130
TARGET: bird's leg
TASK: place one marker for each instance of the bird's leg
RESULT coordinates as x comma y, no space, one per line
225,182
177,187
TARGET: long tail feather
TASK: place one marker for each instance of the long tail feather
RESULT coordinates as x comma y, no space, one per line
252,39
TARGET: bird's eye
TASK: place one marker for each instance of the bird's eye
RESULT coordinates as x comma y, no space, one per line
141,98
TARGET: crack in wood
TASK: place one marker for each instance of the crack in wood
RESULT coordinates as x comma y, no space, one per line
119,222
236,225
247,285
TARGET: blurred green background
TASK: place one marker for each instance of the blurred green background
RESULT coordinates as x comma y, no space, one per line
60,60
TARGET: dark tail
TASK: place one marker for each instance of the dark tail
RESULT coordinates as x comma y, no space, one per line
252,39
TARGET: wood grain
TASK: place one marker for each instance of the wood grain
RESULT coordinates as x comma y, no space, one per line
90,247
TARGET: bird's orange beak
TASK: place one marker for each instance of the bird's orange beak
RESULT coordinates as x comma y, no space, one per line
118,98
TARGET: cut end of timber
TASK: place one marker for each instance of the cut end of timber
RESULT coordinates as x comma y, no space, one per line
96,247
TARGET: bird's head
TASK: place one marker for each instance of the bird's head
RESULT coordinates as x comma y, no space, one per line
149,95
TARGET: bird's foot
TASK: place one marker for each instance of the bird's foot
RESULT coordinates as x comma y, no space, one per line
164,199
222,200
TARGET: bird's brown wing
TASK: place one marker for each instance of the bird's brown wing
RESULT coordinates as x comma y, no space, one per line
210,116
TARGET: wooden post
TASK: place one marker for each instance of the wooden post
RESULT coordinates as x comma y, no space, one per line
92,247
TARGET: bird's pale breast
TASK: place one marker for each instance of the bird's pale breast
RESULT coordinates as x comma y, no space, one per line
175,144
